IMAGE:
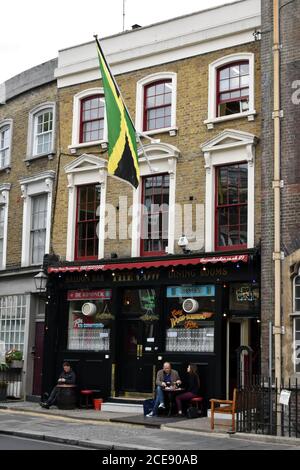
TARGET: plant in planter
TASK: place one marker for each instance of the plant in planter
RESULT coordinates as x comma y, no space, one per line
14,358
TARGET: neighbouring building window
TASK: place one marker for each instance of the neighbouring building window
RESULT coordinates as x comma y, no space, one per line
297,294
190,318
231,206
5,139
92,119
155,214
38,228
233,89
297,344
43,132
12,321
90,320
87,220
2,227
157,105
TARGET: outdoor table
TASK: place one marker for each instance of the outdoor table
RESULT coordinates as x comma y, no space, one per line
66,397
171,393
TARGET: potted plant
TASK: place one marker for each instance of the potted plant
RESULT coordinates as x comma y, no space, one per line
14,358
3,383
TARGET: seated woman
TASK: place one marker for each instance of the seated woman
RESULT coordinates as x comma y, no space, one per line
192,388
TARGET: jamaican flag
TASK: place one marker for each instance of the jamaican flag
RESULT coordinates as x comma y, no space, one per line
122,149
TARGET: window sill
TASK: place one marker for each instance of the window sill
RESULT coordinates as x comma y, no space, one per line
171,130
102,143
211,122
6,169
32,158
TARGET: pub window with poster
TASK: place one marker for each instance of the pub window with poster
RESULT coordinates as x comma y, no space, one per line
90,320
244,298
190,319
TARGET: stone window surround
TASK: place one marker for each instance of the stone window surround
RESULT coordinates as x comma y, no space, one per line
4,123
212,118
84,170
4,201
30,136
76,144
240,149
163,158
35,186
139,111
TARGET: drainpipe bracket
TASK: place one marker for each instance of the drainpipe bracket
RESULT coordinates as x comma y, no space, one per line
278,184
278,330
277,47
278,256
278,114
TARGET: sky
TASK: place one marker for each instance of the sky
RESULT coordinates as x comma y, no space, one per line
32,32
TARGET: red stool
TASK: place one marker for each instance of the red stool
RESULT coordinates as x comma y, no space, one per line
198,403
86,394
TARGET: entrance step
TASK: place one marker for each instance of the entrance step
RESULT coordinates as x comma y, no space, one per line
124,407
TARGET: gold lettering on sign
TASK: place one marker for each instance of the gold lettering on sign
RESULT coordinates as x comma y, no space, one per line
178,316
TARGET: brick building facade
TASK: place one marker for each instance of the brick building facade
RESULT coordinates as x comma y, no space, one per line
116,305
290,174
27,183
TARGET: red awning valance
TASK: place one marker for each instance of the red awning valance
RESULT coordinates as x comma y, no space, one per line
153,264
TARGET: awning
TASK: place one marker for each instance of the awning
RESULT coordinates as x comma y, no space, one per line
152,264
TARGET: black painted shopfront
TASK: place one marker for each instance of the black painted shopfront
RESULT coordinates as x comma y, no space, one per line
117,323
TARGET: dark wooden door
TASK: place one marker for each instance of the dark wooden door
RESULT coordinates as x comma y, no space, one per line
138,344
38,358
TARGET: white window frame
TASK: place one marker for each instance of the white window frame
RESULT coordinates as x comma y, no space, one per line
228,148
76,120
212,117
35,186
31,138
7,123
85,170
4,201
163,159
295,318
139,112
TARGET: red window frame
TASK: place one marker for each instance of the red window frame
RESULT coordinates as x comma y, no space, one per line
163,106
229,205
95,220
229,100
82,122
143,241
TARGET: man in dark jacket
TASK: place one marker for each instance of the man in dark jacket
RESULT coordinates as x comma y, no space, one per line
67,377
166,378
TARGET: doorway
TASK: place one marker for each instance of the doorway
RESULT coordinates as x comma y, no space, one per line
138,330
38,358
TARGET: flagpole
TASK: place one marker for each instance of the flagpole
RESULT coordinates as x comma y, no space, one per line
137,134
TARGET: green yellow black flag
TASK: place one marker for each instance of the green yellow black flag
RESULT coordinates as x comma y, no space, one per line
122,149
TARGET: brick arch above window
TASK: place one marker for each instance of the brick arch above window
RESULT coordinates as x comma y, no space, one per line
89,126
215,95
156,97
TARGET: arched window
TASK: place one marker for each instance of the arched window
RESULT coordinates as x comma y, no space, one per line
297,294
5,143
156,103
41,131
89,119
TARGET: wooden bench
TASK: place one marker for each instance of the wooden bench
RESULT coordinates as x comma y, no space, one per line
229,408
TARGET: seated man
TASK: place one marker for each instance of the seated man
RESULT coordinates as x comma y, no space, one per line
165,378
67,377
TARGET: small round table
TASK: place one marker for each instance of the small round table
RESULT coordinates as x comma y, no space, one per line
66,397
172,392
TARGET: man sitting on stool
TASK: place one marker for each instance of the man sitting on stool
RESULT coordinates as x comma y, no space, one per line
67,377
165,378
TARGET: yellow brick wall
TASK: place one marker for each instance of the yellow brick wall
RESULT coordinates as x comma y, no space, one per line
18,109
192,97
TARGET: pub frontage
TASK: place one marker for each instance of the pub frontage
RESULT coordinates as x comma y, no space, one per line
117,322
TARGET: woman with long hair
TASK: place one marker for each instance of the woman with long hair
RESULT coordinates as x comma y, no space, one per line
192,389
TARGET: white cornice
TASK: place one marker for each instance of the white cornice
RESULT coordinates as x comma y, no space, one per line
187,36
